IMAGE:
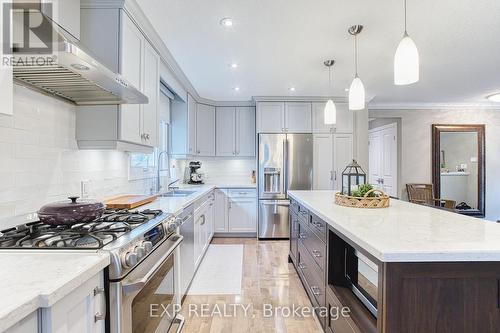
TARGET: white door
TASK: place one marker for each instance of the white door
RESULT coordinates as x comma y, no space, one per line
383,153
323,162
298,117
242,215
152,90
226,131
191,136
270,117
205,130
375,153
342,156
131,68
318,116
220,216
245,131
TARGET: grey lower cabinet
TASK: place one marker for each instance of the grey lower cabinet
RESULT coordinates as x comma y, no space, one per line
308,254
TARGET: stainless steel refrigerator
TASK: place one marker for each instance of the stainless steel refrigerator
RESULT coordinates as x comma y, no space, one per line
285,163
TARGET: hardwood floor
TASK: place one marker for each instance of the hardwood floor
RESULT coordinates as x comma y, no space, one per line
268,279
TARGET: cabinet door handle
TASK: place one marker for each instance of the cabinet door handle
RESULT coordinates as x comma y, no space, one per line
316,253
302,265
331,175
101,315
318,225
198,152
315,290
302,236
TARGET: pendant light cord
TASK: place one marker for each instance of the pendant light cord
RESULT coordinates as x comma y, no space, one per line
356,53
405,19
330,76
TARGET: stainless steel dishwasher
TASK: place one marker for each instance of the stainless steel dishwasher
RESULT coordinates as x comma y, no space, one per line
186,266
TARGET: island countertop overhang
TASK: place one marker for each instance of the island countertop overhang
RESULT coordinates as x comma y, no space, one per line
406,232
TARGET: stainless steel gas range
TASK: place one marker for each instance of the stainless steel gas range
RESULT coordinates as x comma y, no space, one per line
142,287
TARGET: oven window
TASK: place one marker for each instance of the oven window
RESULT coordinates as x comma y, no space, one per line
158,293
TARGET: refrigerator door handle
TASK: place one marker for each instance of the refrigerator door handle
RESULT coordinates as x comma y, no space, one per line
285,166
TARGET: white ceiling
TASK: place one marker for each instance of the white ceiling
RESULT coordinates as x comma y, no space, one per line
283,43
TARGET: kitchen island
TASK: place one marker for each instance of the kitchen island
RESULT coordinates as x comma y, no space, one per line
406,268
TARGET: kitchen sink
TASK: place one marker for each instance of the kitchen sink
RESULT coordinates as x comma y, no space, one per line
177,194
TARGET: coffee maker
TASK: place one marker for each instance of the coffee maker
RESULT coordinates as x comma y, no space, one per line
195,176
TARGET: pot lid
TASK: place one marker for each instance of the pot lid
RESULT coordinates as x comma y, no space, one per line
74,204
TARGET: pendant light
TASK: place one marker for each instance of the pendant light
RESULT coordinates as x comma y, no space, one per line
330,117
357,89
406,60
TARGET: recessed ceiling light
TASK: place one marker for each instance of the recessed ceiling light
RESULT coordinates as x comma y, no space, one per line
494,97
236,88
234,65
226,22
291,88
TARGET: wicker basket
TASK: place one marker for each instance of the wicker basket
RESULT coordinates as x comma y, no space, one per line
382,201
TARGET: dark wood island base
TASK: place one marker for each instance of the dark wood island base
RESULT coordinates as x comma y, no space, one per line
413,297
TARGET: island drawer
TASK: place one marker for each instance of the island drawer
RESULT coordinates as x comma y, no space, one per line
318,226
314,278
304,215
314,245
294,234
294,207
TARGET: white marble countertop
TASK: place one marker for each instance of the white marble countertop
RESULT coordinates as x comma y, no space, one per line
407,232
33,279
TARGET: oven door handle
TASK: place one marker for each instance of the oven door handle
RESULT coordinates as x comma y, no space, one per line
139,284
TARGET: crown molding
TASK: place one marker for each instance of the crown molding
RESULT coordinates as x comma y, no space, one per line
433,106
102,4
299,99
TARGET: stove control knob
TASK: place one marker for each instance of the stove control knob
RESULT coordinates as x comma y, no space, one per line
129,259
140,251
147,245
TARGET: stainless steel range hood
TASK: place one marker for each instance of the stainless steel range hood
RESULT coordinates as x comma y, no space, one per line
71,73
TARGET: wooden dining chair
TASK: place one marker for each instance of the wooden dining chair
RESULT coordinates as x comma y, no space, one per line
424,194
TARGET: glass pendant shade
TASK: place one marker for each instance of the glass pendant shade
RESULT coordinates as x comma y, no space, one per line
357,95
406,62
330,113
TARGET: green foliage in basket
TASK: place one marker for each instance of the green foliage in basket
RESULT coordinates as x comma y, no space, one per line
362,190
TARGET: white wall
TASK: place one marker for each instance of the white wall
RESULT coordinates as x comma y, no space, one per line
416,146
222,171
40,162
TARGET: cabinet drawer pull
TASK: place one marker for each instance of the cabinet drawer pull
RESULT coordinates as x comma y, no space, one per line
316,253
318,225
302,236
302,266
315,290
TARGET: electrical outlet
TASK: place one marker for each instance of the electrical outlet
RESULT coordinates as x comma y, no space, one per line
85,188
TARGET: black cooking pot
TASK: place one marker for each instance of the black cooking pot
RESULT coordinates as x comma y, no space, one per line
71,212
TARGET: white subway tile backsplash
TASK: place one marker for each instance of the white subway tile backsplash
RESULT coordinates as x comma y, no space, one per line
40,161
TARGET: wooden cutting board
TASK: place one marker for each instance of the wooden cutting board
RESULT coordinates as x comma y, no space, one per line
129,201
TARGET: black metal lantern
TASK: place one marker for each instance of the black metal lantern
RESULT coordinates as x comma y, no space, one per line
352,177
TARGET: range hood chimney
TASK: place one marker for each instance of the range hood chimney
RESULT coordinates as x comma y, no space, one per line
69,71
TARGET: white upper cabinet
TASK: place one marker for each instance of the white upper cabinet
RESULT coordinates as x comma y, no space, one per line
345,119
149,112
298,117
205,130
245,131
284,117
120,45
226,131
270,117
236,131
131,68
191,127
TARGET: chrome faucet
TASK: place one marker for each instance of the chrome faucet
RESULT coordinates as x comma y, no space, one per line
158,186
